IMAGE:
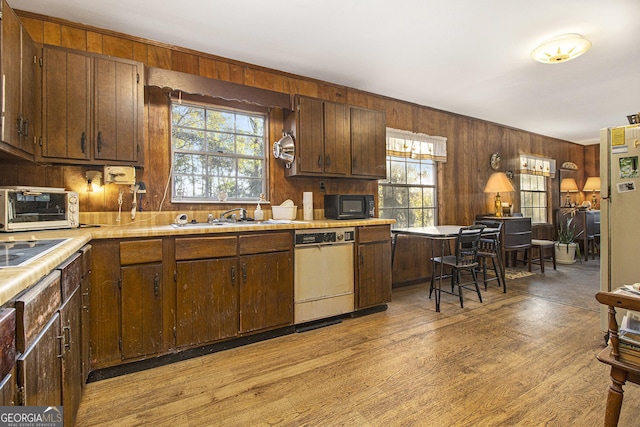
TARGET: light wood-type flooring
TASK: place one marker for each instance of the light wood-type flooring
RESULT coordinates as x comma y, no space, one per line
524,358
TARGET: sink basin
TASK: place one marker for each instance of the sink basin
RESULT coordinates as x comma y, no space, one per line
201,225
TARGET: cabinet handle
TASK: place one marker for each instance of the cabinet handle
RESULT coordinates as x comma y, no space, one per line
19,124
83,142
156,285
25,125
67,336
328,162
319,160
61,341
233,274
244,272
99,141
355,162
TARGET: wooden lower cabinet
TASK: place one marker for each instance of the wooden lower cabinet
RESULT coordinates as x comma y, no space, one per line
266,291
141,309
8,389
7,356
373,281
40,370
71,351
207,301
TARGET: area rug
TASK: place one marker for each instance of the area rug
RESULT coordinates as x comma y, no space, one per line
515,273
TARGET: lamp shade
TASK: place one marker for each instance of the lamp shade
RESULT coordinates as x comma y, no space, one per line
592,184
569,185
498,183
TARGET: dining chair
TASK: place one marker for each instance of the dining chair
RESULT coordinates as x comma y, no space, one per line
464,261
490,249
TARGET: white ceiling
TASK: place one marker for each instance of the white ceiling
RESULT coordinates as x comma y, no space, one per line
464,56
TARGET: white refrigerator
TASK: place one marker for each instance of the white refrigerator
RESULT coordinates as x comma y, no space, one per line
619,209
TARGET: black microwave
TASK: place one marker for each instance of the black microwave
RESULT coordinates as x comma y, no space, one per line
349,206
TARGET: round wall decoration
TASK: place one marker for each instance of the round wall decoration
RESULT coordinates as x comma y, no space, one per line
495,161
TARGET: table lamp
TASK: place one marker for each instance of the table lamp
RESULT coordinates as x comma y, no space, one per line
568,185
593,185
498,183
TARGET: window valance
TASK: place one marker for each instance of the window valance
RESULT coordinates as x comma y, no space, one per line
535,165
401,143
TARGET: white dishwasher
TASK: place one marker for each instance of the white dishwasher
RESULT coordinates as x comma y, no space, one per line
323,275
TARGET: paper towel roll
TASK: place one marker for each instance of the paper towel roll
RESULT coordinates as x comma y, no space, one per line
307,205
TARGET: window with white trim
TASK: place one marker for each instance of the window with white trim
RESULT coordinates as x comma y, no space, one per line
217,153
409,193
534,184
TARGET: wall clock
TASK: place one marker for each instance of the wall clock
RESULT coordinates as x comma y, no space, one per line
495,161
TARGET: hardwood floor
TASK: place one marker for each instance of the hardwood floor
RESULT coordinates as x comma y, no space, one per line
524,358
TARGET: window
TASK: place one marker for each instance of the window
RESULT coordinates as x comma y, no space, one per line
408,194
217,153
533,197
534,174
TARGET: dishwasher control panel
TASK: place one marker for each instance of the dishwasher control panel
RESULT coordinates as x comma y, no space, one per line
325,236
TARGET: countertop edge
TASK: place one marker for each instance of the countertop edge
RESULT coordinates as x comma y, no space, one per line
15,280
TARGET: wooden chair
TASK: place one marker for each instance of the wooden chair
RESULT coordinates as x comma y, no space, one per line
490,249
621,371
464,260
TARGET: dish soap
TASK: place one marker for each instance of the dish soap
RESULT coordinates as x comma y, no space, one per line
258,215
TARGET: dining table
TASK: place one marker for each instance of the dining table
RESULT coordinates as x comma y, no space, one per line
442,234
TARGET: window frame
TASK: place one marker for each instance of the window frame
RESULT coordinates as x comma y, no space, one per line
528,211
209,104
405,185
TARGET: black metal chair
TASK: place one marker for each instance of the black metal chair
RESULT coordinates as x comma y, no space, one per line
465,260
490,249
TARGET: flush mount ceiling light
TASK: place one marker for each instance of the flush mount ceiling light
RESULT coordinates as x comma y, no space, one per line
561,49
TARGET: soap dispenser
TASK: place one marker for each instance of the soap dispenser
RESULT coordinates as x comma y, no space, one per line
258,215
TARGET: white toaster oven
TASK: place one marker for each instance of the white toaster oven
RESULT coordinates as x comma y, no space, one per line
37,208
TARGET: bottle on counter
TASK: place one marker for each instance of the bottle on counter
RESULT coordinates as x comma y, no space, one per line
258,215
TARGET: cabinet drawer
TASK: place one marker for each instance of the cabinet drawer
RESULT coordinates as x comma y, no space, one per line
70,275
34,309
206,247
374,233
140,251
268,242
7,341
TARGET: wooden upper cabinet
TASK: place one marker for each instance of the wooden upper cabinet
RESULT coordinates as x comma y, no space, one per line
336,140
368,143
66,106
18,97
92,108
118,109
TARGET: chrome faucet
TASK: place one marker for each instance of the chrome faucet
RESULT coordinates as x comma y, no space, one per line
242,215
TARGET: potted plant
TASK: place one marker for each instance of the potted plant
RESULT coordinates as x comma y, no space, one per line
566,247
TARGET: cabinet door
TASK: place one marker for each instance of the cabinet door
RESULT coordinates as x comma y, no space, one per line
39,368
118,109
66,105
374,274
336,139
72,380
310,135
11,64
207,301
8,389
141,310
368,143
28,93
266,291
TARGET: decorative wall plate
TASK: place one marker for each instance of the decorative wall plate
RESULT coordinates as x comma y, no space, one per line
569,165
495,161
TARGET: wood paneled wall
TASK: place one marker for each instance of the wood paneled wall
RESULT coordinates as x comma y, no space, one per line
462,178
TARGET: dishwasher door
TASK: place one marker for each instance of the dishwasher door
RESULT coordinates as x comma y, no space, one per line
323,281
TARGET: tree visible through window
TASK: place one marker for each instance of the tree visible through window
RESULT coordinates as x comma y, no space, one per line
408,195
216,151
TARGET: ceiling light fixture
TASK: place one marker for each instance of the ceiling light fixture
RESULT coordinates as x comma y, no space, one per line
561,49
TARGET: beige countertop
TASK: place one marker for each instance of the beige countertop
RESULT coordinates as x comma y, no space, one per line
14,280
